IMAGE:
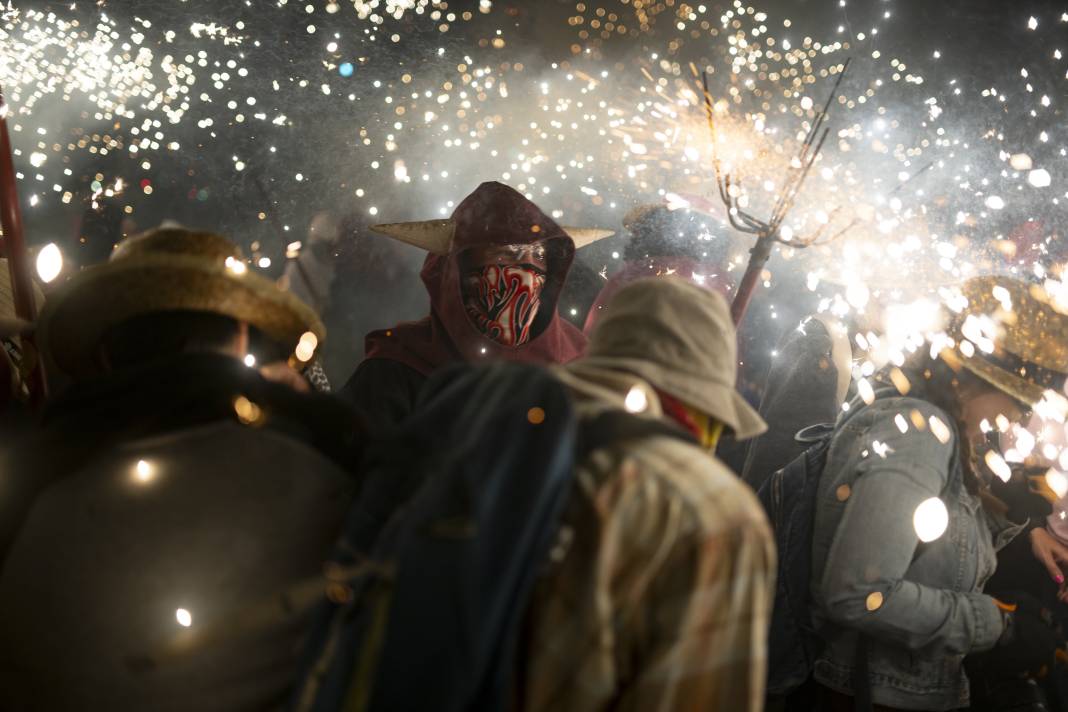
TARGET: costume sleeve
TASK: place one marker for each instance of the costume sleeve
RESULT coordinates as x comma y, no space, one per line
383,390
706,620
863,585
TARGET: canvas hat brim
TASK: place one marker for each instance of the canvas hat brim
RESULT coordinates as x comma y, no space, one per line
76,316
721,402
1022,390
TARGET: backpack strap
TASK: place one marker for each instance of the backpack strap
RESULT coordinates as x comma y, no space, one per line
813,434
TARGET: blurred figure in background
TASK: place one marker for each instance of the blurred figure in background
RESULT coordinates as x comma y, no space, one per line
807,385
664,242
168,490
309,274
494,275
372,288
310,265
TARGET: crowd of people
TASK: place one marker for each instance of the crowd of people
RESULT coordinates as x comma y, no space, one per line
502,511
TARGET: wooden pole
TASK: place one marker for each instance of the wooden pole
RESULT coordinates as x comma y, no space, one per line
18,260
758,257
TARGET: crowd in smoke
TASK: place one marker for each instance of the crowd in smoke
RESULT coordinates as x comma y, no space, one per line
641,355
514,511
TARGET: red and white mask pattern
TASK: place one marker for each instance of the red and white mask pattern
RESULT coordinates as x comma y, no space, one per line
502,301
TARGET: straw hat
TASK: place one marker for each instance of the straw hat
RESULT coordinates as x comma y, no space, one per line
1012,336
680,338
10,324
166,269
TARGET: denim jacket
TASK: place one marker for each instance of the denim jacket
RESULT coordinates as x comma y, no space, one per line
918,604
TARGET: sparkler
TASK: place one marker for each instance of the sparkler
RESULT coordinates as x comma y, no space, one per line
383,105
769,231
18,261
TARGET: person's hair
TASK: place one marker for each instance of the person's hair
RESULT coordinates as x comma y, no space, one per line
947,388
149,337
675,233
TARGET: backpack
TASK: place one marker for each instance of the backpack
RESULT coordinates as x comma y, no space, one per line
789,499
434,569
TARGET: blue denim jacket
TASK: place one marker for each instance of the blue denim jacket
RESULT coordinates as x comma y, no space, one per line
919,604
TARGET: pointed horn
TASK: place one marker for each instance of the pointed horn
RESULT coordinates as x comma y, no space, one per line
434,236
583,236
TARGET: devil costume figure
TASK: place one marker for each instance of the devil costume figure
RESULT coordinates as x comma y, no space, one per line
494,275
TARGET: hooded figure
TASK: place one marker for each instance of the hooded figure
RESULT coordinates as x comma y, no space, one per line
494,275
806,385
657,595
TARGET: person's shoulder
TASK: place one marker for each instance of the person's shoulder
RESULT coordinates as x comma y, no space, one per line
897,404
713,495
320,421
376,376
909,416
376,367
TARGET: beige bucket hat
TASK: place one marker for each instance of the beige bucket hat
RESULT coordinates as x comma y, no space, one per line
166,269
1029,354
680,339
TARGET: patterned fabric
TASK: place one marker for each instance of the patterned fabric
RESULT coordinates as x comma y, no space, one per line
658,592
317,376
503,300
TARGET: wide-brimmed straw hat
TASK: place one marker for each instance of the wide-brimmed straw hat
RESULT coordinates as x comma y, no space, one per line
1012,335
166,269
679,338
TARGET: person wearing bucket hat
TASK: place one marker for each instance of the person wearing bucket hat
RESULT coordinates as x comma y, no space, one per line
168,486
905,532
494,273
658,594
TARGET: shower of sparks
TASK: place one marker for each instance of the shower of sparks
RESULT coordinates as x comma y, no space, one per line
392,106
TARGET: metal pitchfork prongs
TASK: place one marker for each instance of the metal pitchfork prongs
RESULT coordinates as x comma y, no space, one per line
768,231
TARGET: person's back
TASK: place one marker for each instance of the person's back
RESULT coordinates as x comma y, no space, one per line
657,594
168,498
178,528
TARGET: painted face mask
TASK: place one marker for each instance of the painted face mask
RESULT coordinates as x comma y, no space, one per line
502,301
